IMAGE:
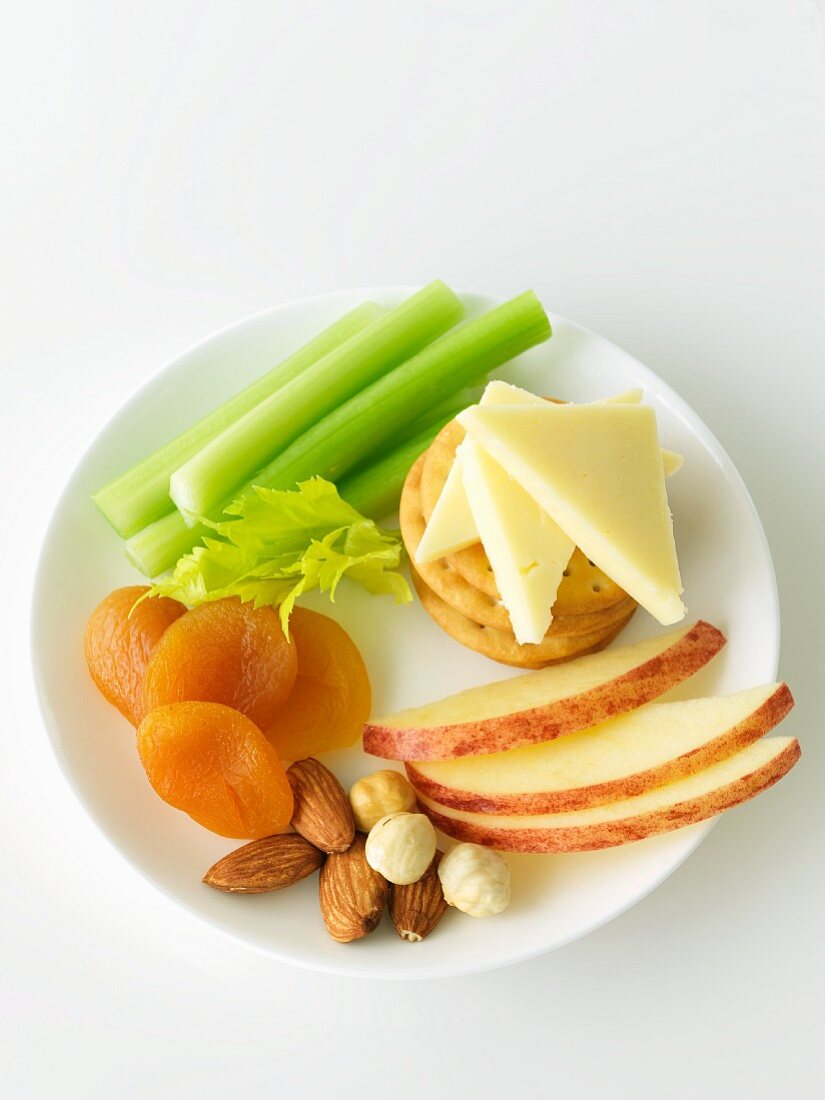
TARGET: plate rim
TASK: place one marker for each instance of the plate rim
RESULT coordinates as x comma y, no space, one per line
665,393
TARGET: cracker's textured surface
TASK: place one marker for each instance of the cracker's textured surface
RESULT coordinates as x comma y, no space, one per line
585,588
455,590
502,646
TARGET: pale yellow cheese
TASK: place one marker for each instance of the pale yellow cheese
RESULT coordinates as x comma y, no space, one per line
504,393
671,462
628,397
451,526
527,550
597,470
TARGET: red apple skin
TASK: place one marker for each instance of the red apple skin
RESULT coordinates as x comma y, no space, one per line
632,689
751,729
610,834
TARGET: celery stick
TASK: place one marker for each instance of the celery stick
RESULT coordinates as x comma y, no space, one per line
228,460
158,546
370,420
443,411
375,490
141,495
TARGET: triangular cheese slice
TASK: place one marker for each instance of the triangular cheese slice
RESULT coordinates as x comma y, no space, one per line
527,550
671,461
504,393
451,527
597,470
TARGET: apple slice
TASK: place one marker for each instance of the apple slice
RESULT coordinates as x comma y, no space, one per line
620,758
660,810
545,704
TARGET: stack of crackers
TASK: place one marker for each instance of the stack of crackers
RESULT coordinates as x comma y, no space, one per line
459,591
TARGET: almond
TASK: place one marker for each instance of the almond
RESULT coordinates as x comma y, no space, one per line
322,811
269,864
418,907
353,896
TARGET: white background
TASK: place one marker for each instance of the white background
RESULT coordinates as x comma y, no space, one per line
656,170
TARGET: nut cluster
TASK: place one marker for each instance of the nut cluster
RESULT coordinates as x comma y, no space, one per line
396,864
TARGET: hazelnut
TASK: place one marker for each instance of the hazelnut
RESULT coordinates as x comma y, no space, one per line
379,794
401,847
475,880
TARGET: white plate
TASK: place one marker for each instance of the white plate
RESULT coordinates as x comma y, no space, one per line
728,578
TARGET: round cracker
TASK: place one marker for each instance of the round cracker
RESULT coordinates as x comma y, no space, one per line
585,589
455,590
501,646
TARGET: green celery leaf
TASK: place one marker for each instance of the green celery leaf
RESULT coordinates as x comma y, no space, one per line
279,544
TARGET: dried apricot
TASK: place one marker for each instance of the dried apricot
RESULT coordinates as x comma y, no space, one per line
118,646
213,763
224,652
331,699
